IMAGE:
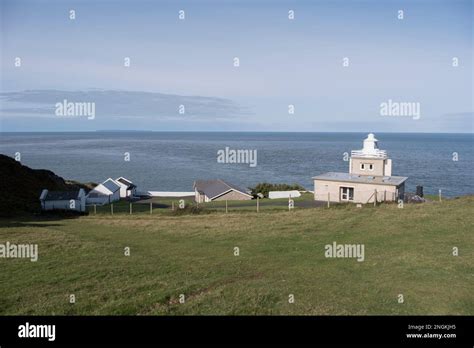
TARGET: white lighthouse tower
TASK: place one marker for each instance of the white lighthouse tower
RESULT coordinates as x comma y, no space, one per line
370,160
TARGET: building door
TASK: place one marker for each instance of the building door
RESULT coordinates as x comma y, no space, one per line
347,193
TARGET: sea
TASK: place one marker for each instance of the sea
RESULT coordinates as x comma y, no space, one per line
172,161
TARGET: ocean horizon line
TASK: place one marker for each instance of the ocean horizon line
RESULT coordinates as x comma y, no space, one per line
227,131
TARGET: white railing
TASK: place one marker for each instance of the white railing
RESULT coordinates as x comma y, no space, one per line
377,154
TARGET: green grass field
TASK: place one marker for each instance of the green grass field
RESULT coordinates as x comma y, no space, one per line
408,251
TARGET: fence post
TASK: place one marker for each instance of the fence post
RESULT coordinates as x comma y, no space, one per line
258,203
112,209
439,195
151,207
172,205
130,208
329,198
95,209
375,197
226,205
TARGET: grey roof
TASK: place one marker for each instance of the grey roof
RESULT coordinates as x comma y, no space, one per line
363,179
214,188
124,181
127,183
111,185
94,194
61,195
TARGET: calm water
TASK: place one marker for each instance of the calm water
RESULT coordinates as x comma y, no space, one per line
172,161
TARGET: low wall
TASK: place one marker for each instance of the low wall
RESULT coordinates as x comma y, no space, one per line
170,194
283,194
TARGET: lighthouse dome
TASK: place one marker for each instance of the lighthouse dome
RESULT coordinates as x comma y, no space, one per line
370,148
370,145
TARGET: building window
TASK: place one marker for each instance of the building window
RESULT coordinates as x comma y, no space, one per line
371,167
347,193
362,166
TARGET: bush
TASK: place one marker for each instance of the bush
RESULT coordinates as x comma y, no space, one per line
266,187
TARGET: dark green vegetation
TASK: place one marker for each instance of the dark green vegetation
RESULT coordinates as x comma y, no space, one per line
21,187
408,251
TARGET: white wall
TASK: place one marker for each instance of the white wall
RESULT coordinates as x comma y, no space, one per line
283,194
170,194
363,193
80,205
388,167
124,193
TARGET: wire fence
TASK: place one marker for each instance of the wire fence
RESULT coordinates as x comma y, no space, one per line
120,208
168,205
324,199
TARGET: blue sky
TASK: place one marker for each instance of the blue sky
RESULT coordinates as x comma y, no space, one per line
282,62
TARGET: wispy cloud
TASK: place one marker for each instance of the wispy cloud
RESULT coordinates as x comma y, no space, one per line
119,104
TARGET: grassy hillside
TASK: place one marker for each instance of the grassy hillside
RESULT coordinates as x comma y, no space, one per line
407,251
21,186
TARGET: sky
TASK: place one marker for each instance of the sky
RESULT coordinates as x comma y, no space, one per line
176,63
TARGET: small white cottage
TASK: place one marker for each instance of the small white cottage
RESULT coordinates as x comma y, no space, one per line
127,188
369,178
63,200
104,193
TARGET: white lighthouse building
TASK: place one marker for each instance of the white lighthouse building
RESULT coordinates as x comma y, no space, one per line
369,178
